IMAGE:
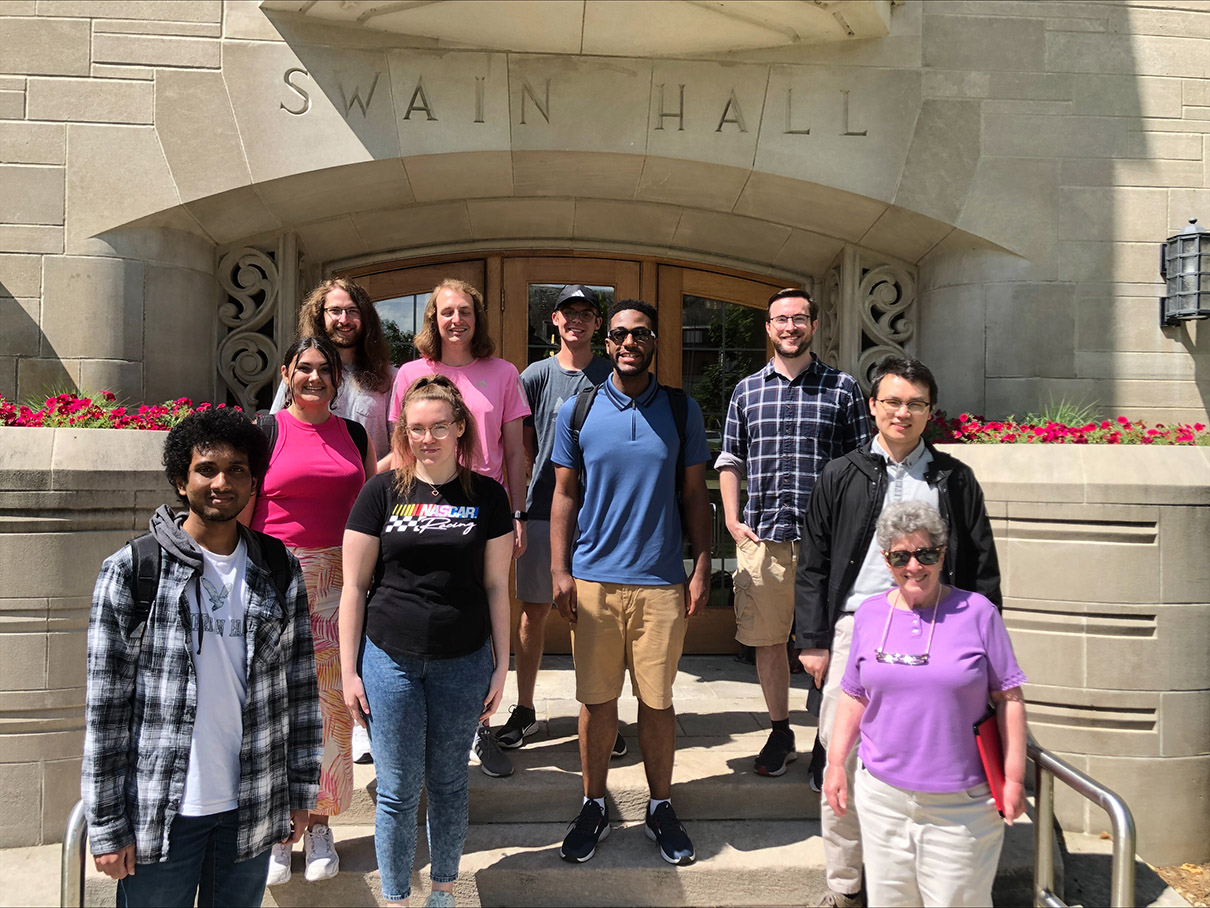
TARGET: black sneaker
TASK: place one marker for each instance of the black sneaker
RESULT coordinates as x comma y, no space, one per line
777,752
522,721
666,830
819,760
491,758
619,747
583,833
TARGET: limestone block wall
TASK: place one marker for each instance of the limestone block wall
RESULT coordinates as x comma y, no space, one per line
1106,583
68,499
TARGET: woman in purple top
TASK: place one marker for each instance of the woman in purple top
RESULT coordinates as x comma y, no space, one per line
925,659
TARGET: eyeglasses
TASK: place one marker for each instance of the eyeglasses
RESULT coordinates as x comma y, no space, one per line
898,558
892,405
640,335
439,431
335,312
901,658
782,321
578,315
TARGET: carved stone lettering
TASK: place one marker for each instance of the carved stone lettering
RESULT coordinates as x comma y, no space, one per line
844,116
479,80
356,99
732,114
419,101
679,113
302,92
790,130
527,91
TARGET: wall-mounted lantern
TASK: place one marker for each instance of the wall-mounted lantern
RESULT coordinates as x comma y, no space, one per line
1185,267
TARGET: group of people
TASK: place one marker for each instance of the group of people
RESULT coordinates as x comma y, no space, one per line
342,566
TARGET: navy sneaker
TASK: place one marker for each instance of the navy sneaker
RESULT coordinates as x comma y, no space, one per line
583,833
666,830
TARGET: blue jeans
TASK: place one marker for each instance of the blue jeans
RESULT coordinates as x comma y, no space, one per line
201,863
423,713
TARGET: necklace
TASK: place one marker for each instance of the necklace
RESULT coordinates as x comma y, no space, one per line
434,490
881,655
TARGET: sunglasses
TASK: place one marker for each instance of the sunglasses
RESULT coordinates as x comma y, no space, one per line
640,335
899,558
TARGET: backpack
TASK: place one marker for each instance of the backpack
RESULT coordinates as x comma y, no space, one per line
680,416
267,423
146,554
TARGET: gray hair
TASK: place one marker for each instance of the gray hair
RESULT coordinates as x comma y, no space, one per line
907,517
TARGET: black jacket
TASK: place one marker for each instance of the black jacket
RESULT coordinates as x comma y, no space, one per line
841,514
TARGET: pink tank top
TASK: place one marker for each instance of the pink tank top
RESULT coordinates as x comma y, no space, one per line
314,476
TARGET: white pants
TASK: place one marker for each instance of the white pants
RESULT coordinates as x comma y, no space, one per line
841,835
928,849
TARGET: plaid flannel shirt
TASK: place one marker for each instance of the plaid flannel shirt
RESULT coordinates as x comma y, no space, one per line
142,698
781,433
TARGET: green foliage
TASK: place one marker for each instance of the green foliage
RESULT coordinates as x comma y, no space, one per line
400,342
1064,412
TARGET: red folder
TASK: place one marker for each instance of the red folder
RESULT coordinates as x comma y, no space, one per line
991,752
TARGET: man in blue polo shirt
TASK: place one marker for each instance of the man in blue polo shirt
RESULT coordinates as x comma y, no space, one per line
621,581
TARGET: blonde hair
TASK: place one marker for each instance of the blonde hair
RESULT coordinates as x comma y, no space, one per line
441,389
428,339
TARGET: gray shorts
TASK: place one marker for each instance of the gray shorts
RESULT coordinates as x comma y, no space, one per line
533,567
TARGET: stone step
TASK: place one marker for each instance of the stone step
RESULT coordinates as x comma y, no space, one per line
712,780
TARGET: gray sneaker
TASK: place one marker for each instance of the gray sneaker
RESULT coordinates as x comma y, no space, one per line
834,899
491,758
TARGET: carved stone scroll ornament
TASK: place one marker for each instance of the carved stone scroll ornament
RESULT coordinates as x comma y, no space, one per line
827,340
886,300
248,359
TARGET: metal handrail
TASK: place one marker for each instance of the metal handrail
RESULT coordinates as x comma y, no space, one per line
1048,767
71,872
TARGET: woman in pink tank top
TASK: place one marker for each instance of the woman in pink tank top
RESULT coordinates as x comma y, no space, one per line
315,472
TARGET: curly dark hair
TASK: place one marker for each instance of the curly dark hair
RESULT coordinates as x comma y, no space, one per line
643,308
372,358
206,429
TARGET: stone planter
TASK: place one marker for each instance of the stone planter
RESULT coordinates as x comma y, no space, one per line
68,498
1107,595
1103,551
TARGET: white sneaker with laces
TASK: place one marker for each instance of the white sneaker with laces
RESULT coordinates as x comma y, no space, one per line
323,862
279,865
361,745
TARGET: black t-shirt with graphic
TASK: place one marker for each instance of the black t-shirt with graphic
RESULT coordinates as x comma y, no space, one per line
429,600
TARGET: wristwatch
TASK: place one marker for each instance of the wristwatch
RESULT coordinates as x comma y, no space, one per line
521,515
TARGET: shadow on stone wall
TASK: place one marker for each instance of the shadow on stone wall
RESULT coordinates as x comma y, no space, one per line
30,368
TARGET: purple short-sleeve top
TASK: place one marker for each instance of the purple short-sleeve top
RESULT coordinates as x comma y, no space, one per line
917,729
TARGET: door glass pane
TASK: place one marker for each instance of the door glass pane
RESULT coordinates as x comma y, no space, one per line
720,343
401,317
543,340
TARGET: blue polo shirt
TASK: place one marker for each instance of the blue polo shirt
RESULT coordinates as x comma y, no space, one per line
629,528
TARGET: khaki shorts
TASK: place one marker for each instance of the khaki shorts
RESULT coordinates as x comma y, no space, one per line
640,628
764,591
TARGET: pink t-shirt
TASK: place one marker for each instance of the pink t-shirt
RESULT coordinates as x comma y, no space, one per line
314,476
492,390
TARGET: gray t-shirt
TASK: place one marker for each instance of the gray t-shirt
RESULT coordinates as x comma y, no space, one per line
547,385
358,404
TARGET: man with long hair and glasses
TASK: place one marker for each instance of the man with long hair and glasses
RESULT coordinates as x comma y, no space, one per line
841,564
340,310
784,424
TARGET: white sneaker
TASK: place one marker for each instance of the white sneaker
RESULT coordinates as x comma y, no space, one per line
323,862
279,865
439,898
361,744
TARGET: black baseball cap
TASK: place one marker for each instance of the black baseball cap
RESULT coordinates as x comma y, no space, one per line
573,292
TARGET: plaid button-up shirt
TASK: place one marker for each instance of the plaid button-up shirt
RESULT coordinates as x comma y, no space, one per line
780,433
142,699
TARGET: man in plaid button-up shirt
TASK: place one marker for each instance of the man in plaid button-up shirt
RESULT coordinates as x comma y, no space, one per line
784,424
202,736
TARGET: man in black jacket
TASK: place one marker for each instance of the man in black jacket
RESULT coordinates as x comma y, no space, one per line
840,564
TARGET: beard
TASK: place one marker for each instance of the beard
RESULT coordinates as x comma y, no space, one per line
351,339
792,350
643,364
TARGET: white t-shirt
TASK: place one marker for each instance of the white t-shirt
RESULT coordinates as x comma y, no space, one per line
219,652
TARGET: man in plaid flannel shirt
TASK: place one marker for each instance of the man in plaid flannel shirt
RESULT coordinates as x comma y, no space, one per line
784,424
202,737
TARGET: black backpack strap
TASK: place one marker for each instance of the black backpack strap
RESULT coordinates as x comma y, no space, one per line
679,401
584,401
267,423
144,579
360,437
271,554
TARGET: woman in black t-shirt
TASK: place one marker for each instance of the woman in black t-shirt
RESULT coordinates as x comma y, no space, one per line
433,541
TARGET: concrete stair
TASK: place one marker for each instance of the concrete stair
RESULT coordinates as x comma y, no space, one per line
757,839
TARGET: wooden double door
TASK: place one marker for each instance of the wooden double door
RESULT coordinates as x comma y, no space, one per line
711,334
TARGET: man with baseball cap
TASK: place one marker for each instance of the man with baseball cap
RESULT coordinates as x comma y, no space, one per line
548,383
